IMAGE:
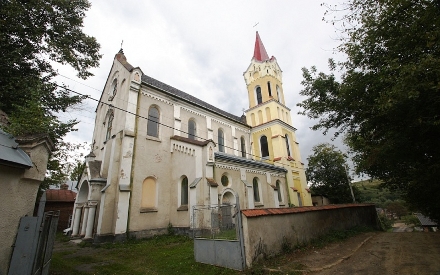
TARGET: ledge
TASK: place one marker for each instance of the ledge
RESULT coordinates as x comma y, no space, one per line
153,138
183,208
148,209
250,213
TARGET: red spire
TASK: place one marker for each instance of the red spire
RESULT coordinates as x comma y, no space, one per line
260,53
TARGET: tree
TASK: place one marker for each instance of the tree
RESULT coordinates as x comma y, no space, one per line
327,173
67,162
397,208
387,100
33,36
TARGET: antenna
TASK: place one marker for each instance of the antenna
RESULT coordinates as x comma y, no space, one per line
256,24
122,42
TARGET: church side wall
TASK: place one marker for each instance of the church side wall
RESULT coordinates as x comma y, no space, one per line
152,159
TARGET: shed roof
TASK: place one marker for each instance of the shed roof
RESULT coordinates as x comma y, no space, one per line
60,195
11,154
425,221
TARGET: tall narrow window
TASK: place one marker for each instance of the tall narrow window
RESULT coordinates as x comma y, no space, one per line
256,190
109,126
278,93
268,116
184,191
264,147
191,129
153,122
243,147
287,145
268,88
148,193
259,97
221,141
299,199
113,89
278,186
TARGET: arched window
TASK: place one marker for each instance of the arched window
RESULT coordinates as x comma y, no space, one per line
268,88
259,97
243,147
221,141
256,190
278,93
149,193
184,191
264,147
113,89
287,145
108,134
225,180
191,129
153,122
260,117
278,186
268,116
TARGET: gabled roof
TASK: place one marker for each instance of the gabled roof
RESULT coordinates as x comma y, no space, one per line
60,195
187,97
260,53
11,154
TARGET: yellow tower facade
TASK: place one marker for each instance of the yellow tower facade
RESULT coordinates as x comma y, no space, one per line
272,134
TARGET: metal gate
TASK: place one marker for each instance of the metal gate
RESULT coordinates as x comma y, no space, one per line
218,235
34,242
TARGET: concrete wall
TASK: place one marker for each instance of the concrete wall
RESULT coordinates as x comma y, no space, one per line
18,191
266,231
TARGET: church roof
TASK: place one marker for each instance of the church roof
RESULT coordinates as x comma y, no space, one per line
260,53
189,98
248,162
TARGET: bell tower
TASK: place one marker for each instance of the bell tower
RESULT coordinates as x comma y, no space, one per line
272,134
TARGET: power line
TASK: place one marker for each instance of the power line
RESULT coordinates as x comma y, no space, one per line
126,101
148,119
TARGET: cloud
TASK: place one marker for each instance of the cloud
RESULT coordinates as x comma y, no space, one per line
203,48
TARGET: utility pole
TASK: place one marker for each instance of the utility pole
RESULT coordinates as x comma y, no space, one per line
349,183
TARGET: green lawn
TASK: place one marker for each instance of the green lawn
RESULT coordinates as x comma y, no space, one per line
158,255
168,254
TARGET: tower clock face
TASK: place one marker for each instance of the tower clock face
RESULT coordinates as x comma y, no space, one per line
113,89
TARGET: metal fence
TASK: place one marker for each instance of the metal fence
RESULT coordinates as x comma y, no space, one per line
218,235
34,243
215,221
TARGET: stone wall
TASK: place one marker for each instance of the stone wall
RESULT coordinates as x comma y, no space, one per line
268,231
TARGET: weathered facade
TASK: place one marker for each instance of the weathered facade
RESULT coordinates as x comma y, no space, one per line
23,164
158,151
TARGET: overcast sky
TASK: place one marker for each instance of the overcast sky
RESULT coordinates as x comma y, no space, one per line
203,48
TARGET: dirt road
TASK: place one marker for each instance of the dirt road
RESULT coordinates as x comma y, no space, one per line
377,253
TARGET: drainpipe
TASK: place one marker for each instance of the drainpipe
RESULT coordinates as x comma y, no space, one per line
136,121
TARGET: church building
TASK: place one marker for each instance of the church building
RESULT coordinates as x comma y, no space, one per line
158,153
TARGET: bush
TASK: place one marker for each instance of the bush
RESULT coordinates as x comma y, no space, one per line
385,222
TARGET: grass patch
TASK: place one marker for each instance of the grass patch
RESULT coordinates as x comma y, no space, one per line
337,236
168,254
158,255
